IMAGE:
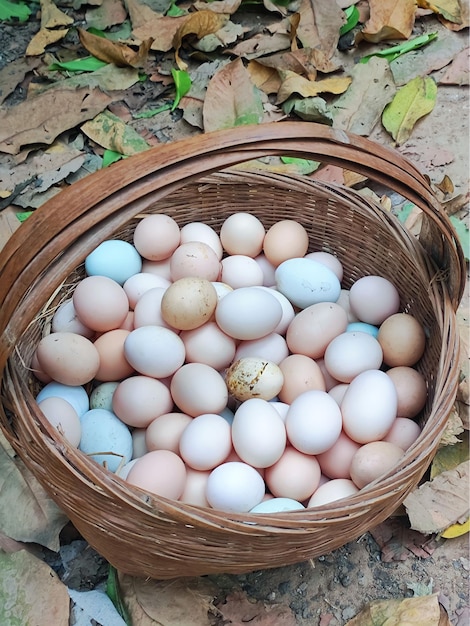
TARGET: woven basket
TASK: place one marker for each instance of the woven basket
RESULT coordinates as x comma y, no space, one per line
150,536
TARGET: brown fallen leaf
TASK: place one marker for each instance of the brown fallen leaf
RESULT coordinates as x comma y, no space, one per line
464,18
219,6
319,26
31,591
458,71
110,132
165,603
51,18
114,52
293,83
449,9
419,611
199,24
141,14
261,45
297,61
12,74
240,610
42,118
398,542
265,78
109,13
441,502
389,19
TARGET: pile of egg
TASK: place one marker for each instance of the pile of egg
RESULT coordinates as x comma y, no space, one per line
232,370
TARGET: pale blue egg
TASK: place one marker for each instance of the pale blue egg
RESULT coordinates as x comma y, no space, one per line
227,414
115,259
277,505
76,396
305,282
103,432
363,327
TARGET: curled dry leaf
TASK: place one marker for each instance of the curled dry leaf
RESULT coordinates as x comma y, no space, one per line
51,18
199,24
117,53
449,9
389,19
319,27
293,83
419,611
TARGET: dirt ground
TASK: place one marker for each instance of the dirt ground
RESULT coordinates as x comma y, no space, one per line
334,588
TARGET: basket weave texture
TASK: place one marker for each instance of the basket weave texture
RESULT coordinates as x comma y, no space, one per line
146,535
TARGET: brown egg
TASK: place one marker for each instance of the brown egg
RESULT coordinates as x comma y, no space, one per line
188,303
372,460
164,432
100,303
285,239
113,364
161,472
301,373
336,461
64,417
403,432
402,339
68,358
314,327
411,390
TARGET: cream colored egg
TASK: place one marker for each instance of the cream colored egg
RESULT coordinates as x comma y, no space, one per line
68,358
242,233
372,460
253,377
164,432
161,472
156,237
195,258
197,388
313,328
301,373
188,303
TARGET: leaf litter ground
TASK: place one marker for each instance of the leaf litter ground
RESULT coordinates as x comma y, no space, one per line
392,561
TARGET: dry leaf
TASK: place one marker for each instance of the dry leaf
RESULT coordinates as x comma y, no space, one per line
240,610
360,107
199,24
419,611
389,19
319,26
51,18
293,83
44,38
265,78
182,601
449,9
398,542
117,53
141,14
13,73
112,133
458,71
110,13
231,99
219,6
464,17
261,45
44,117
27,512
192,104
31,592
440,502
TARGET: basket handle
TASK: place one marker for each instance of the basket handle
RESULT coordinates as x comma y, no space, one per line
88,211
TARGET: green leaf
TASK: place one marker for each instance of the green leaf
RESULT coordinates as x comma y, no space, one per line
113,593
111,156
304,166
463,234
13,11
182,83
416,99
404,211
23,215
147,114
395,51
352,18
87,64
175,11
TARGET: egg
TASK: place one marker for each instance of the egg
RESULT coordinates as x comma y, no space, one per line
373,299
197,388
139,445
248,313
411,389
267,268
272,347
140,399
277,505
159,268
100,303
295,475
116,259
205,442
328,259
351,353
285,239
198,231
234,487
113,363
301,373
194,258
363,328
63,417
336,461
344,302
37,370
148,309
102,396
313,328
281,408
332,491
164,432
154,351
373,460
337,392
156,236
241,271
305,282
161,472
402,339
68,358
403,433
242,233
258,433
253,377
208,344
188,303
194,491
65,320
313,422
105,438
75,395
288,312
369,406
138,284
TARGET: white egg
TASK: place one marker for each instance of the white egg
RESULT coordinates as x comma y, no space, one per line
235,487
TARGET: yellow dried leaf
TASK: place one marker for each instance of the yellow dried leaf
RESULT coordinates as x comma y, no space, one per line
294,83
43,38
418,611
389,19
51,16
456,530
113,51
449,9
265,78
199,24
